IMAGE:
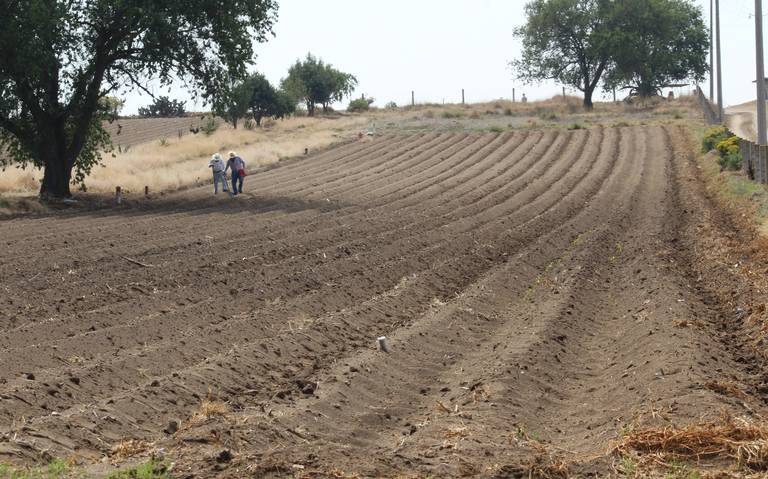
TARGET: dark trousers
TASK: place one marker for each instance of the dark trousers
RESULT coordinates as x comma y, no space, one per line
237,180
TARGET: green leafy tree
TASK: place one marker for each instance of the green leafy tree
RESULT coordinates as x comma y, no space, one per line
59,58
565,41
112,105
263,98
285,105
654,43
360,104
164,107
314,82
234,103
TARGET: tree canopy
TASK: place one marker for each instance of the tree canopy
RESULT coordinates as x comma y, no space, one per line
164,107
267,101
315,82
58,59
233,104
566,41
654,43
257,96
643,44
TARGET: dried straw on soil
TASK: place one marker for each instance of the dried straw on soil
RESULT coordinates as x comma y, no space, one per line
734,439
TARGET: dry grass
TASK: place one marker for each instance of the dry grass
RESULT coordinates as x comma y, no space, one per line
128,449
736,440
210,408
181,162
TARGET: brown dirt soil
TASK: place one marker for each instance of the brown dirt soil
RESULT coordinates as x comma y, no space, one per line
541,292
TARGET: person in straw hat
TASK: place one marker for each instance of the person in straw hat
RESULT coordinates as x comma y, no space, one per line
219,175
237,165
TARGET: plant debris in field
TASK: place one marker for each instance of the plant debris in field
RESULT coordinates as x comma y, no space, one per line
738,440
127,449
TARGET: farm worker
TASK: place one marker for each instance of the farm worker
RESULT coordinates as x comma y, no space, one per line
217,166
524,99
237,165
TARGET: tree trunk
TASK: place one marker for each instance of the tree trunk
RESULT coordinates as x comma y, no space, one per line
56,177
588,99
57,171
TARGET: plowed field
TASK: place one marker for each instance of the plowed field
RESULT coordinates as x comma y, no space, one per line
528,284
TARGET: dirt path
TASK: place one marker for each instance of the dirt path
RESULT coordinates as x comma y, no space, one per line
530,285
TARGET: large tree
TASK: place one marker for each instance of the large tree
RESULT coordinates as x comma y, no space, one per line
256,95
654,43
315,82
234,102
59,58
565,41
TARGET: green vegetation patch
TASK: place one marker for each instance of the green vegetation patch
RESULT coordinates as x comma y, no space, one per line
147,470
57,469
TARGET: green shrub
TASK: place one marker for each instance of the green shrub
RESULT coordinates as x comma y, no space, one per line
359,105
453,114
731,161
391,106
547,115
727,146
729,156
712,137
210,125
576,126
249,124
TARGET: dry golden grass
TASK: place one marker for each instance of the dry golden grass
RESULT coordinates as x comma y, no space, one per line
179,162
736,440
210,408
128,449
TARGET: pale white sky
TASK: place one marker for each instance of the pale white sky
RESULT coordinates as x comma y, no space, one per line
438,47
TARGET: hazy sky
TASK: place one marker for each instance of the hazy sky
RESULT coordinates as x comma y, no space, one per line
438,47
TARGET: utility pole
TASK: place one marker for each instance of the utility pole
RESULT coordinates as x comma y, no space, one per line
711,54
719,65
761,133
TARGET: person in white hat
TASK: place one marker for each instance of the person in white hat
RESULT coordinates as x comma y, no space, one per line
237,165
217,166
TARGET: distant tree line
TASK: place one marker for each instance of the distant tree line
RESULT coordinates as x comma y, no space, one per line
639,46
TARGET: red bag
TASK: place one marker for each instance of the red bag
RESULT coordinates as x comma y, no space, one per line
241,173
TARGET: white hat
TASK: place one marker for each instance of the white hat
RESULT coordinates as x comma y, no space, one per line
232,154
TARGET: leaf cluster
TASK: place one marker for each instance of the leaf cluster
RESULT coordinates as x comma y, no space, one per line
163,107
315,82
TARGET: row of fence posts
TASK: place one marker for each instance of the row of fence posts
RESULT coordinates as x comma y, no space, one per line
119,194
754,157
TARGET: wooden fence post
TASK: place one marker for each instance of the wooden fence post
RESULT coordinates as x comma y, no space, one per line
763,163
413,98
744,149
462,96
